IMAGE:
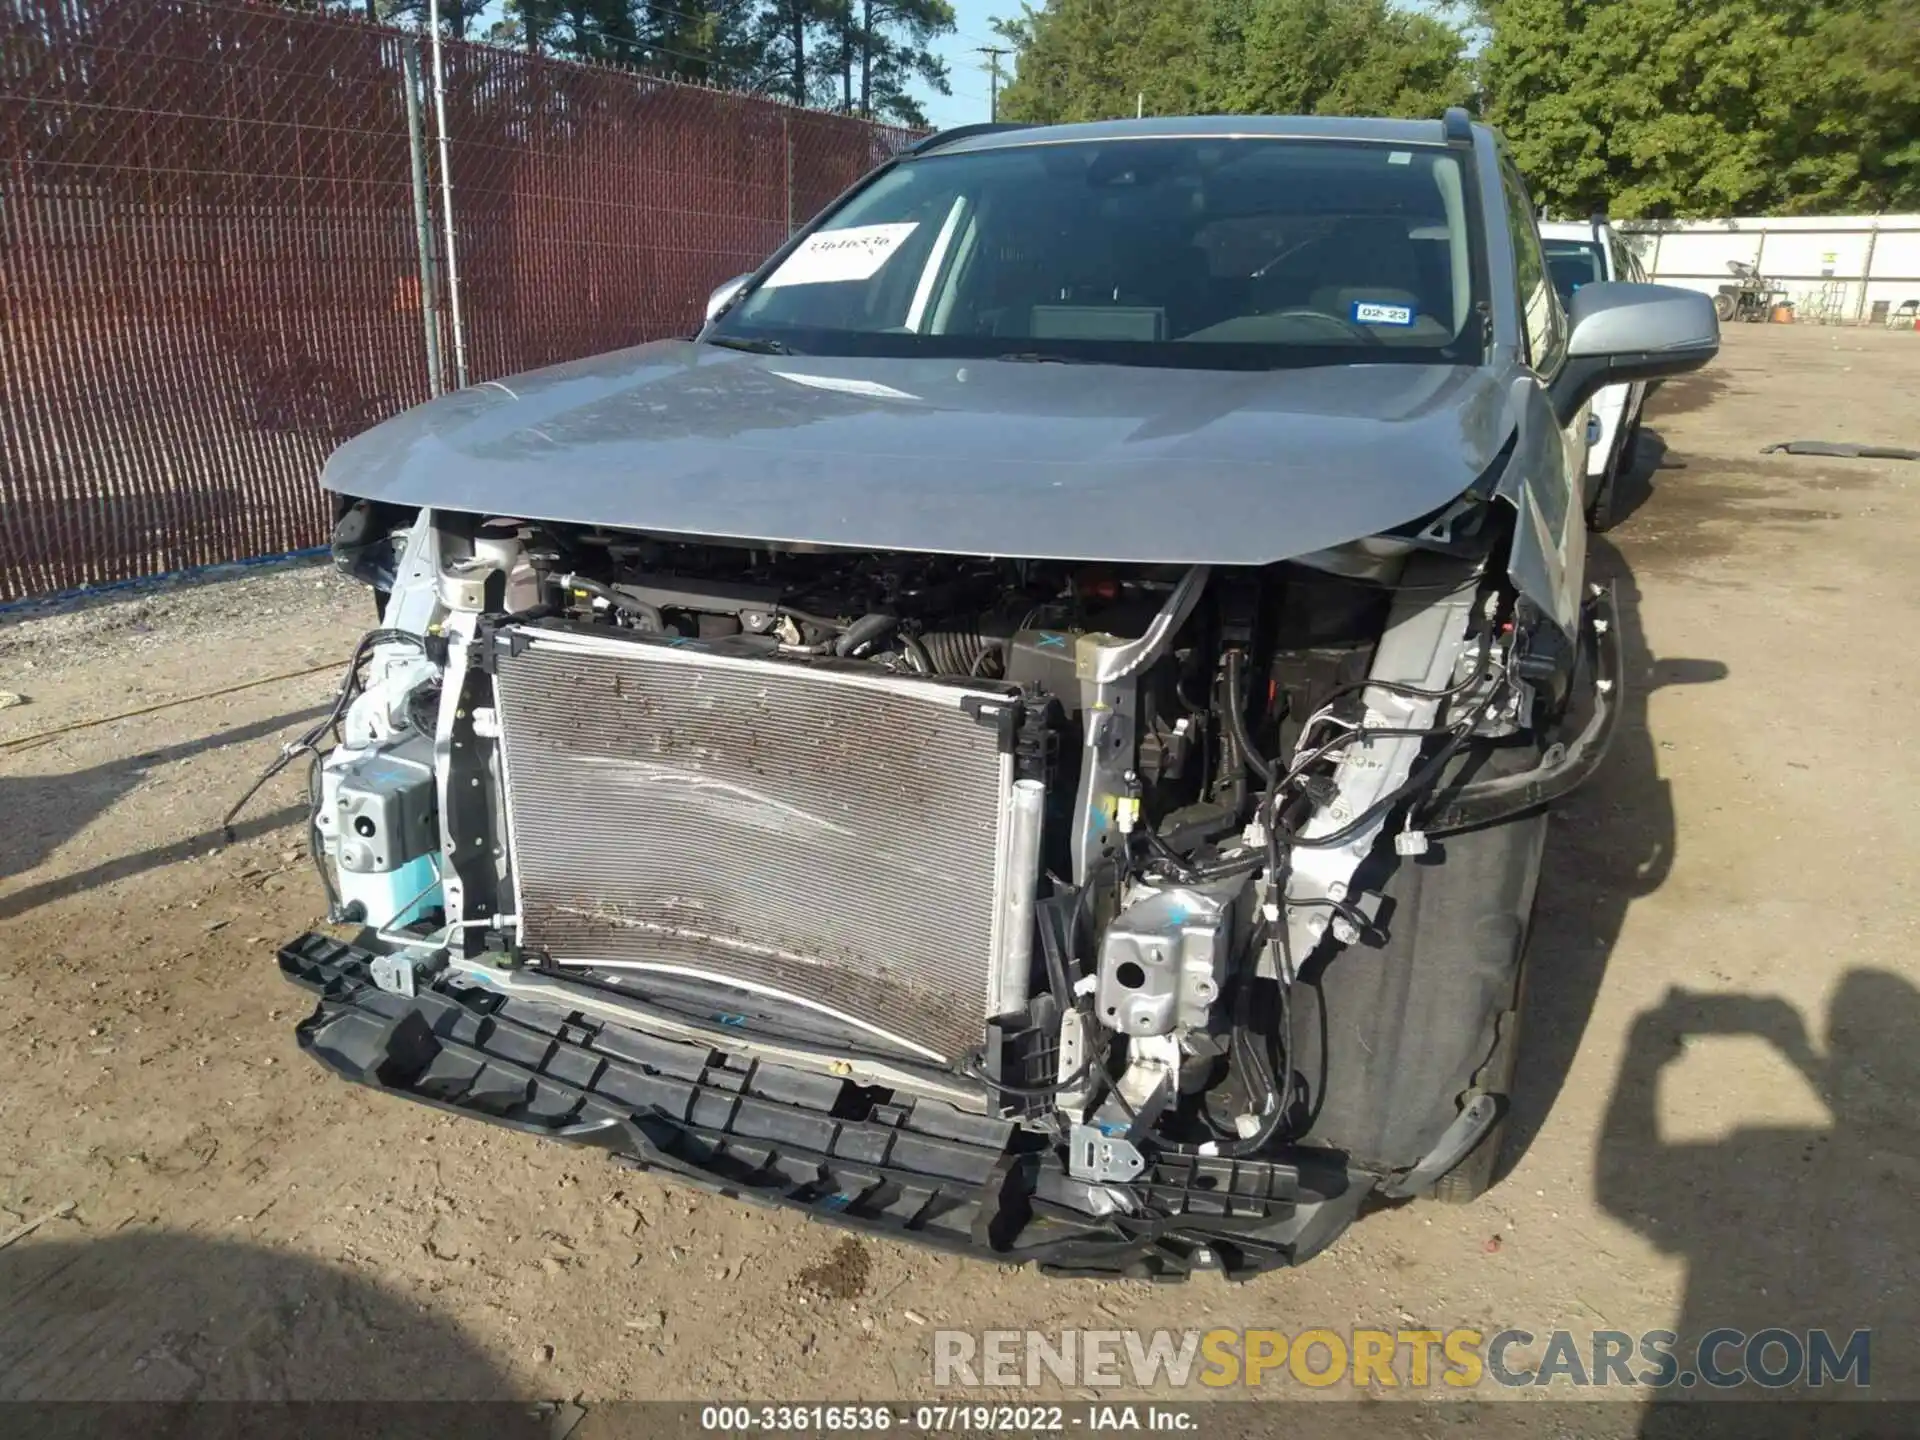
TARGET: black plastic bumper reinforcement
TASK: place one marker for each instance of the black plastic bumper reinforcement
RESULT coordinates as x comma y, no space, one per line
844,1153
1564,768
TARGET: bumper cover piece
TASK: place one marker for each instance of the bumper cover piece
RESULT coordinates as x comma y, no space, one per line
918,1171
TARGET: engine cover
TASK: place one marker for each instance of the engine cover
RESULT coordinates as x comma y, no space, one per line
825,833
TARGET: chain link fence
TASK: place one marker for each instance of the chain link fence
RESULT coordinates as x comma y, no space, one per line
222,252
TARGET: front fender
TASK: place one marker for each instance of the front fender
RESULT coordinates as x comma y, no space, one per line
1543,483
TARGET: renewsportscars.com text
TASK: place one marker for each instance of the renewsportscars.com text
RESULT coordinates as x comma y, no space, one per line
1459,1359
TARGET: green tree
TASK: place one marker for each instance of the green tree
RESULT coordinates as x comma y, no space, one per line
1708,107
1087,59
861,56
892,41
1854,140
1347,57
709,42
1643,107
458,18
1094,59
605,30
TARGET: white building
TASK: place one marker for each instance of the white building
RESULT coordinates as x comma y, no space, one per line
1834,268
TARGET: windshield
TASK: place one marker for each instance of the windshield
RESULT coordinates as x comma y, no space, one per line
1574,263
1193,253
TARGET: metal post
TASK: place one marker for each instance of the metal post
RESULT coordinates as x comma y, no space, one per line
1866,276
422,219
446,199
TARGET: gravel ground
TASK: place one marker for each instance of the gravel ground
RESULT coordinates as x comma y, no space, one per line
1716,1124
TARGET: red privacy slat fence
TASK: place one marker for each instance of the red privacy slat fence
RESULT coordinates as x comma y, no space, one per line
211,256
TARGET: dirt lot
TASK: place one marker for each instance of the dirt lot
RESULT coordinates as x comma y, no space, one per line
1720,1058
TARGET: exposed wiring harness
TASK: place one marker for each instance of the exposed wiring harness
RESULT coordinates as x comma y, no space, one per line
1100,1036
1270,1079
978,1071
316,843
1279,843
309,744
1423,776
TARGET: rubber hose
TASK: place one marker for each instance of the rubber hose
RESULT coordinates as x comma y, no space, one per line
626,604
864,631
1236,708
958,652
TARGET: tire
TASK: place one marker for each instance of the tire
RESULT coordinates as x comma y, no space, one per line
1600,515
1600,509
1724,306
1473,1176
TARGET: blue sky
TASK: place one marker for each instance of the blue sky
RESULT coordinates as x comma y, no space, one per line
968,103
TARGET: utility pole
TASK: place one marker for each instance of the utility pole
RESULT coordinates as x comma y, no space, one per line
993,54
446,199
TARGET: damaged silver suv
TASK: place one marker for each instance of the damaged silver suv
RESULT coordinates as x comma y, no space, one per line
1028,734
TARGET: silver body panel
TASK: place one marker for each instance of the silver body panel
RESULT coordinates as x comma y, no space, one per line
978,457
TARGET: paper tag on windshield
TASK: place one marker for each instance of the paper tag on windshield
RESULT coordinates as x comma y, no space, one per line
834,255
1379,312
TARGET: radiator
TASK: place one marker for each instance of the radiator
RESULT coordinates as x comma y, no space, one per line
835,837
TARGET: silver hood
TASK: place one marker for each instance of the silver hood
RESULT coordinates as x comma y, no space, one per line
1068,462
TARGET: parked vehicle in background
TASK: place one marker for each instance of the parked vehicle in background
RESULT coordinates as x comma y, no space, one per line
962,746
1580,253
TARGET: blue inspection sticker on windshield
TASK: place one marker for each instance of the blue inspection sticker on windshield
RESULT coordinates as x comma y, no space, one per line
1381,312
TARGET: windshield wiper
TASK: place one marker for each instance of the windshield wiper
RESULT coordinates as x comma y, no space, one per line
751,345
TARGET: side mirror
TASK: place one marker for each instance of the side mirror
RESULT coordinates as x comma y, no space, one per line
725,295
1621,332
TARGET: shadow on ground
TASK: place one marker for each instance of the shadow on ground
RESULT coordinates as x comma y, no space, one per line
163,1316
1788,1228
1634,487
1792,1228
45,811
1608,846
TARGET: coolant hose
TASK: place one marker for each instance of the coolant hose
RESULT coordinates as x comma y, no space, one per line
863,632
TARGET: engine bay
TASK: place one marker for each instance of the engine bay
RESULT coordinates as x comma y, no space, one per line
1037,840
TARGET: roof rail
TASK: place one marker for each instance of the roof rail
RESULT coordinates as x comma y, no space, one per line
1457,125
962,132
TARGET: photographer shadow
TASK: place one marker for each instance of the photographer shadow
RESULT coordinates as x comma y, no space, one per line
1794,1227
1611,844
